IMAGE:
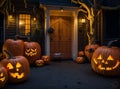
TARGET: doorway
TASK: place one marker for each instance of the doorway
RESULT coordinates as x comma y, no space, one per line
61,38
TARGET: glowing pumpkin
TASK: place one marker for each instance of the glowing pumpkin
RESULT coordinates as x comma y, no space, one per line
32,51
16,47
106,61
3,76
89,49
46,59
18,68
79,60
39,63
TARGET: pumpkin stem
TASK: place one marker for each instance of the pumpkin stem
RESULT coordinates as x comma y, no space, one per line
115,43
9,54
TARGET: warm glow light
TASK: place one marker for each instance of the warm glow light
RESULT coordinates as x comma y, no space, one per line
10,16
21,22
34,19
31,52
2,77
61,10
83,20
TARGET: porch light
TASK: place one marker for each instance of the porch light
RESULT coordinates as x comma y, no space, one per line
61,9
34,19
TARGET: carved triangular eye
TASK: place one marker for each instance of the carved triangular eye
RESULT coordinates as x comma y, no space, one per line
1,75
110,57
18,65
99,57
28,50
10,66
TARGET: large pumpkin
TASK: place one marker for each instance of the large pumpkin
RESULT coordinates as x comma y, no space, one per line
106,61
18,68
16,47
89,49
32,51
3,76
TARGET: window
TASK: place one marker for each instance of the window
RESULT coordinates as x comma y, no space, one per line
24,24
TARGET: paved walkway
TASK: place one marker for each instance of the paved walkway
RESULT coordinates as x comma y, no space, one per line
66,75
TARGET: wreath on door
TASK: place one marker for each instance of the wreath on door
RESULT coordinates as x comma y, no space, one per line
50,30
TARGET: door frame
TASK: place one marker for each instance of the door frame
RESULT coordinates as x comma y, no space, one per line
74,11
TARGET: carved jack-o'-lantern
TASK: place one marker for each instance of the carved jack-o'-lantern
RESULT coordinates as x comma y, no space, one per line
3,76
17,74
32,51
46,59
39,63
79,60
106,61
18,68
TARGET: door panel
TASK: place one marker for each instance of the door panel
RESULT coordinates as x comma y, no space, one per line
60,40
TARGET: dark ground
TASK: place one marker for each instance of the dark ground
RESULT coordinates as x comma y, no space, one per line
66,75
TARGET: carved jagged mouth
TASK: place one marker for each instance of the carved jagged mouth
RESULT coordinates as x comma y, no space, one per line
17,75
2,79
108,68
30,54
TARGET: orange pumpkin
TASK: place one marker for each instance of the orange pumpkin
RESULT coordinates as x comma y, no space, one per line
16,47
39,63
46,59
81,53
17,66
89,49
79,60
3,76
106,61
32,51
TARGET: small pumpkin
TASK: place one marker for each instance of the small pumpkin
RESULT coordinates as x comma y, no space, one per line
46,59
3,76
81,54
106,61
17,66
32,51
79,60
89,49
39,63
16,47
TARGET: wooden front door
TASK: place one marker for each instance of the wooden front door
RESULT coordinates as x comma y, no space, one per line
61,38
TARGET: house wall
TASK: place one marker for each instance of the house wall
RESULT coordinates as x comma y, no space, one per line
111,25
12,25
